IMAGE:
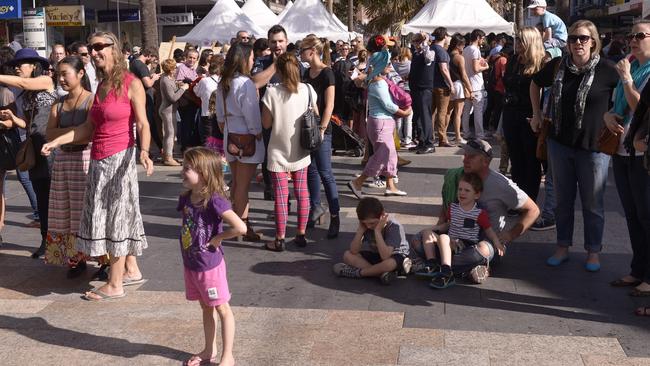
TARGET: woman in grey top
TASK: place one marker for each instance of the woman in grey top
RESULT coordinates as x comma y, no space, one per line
171,92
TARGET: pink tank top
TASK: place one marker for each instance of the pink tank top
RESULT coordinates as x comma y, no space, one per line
114,122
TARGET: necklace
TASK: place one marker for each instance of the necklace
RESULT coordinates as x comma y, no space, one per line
74,107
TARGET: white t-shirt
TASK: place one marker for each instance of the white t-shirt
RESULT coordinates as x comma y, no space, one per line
204,89
471,53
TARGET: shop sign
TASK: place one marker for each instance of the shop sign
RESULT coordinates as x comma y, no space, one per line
89,14
175,19
65,16
126,15
10,9
34,30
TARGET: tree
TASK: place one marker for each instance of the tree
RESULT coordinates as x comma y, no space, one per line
563,9
149,24
351,15
390,14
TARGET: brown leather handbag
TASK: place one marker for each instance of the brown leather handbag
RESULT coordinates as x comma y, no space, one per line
239,144
608,141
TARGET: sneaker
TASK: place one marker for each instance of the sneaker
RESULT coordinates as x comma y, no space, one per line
479,274
407,265
417,265
442,280
387,277
395,179
427,271
376,183
543,224
409,145
345,270
34,216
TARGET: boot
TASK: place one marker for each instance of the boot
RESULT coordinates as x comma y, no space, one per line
333,230
40,251
250,235
315,215
169,161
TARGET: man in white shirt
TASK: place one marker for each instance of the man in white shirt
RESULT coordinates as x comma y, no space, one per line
474,66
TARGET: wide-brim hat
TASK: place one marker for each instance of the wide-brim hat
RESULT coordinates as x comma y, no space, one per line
28,55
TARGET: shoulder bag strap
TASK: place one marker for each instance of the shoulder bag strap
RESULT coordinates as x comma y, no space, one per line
225,111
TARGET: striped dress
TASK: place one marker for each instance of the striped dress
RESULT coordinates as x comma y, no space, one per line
67,190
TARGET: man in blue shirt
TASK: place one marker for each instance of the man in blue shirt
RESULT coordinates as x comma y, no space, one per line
554,29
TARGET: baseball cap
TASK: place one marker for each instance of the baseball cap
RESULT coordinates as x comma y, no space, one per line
537,3
135,49
478,146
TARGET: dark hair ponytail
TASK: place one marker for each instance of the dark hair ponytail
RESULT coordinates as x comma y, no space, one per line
77,64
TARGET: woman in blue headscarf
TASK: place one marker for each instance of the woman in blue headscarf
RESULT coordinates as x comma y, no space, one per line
632,180
380,127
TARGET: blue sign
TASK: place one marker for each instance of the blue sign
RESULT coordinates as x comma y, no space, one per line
126,15
10,9
89,14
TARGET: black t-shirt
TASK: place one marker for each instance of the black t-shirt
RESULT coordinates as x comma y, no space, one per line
598,102
261,64
320,83
441,57
343,82
517,88
139,69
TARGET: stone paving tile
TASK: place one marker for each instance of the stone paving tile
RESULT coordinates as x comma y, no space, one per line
537,359
603,360
439,357
27,306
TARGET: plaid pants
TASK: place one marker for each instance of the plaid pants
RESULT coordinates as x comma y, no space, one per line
281,187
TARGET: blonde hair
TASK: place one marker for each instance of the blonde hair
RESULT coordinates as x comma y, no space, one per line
532,46
405,54
287,66
321,45
168,66
115,77
207,164
593,32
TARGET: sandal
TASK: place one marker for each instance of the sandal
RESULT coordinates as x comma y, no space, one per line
622,283
197,360
102,295
642,311
639,293
275,246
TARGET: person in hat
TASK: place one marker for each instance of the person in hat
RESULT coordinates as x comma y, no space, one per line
499,196
36,99
554,31
380,127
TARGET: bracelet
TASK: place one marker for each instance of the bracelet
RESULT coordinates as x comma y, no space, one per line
626,81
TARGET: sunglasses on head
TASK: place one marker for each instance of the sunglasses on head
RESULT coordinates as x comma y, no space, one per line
638,36
98,46
582,38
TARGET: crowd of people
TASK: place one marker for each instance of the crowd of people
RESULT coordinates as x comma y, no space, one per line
550,95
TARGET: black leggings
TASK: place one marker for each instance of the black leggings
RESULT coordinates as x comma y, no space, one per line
42,190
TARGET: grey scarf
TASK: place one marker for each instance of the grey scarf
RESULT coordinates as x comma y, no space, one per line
581,97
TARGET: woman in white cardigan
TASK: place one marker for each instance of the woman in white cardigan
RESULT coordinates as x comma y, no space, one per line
283,107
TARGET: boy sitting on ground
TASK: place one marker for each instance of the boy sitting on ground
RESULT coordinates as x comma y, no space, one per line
379,248
464,226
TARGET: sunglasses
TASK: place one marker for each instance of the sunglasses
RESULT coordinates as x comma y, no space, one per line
582,38
83,54
638,36
98,46
477,146
305,49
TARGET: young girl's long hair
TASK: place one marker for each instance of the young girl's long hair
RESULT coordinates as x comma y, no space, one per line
207,164
236,63
532,46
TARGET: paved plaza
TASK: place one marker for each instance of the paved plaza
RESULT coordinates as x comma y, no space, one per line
290,309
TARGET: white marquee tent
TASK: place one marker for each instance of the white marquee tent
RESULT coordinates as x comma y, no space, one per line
260,14
310,16
461,16
221,24
285,10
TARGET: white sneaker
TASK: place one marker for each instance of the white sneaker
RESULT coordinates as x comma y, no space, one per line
395,179
376,183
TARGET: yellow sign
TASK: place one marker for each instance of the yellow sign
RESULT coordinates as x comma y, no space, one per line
65,16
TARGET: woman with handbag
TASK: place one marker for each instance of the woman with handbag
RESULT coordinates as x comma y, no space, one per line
580,93
521,141
36,99
283,108
632,180
380,127
171,91
238,115
321,77
70,168
111,222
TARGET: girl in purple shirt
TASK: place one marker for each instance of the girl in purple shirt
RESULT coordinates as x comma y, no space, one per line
204,207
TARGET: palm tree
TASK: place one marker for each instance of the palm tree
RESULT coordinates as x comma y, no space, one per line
390,14
149,24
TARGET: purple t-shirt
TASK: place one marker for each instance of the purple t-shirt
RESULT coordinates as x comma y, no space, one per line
199,226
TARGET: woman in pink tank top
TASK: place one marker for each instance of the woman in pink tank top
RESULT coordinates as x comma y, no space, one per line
111,222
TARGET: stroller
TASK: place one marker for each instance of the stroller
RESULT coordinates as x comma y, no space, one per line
343,138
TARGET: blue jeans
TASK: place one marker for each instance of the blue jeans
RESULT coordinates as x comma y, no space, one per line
548,208
633,185
321,166
587,171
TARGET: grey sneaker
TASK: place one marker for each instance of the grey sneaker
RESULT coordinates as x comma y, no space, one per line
387,277
407,265
344,270
479,274
543,224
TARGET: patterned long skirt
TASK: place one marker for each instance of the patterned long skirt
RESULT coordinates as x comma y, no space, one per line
111,222
66,199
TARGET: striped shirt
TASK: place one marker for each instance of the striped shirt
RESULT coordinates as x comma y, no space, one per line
467,225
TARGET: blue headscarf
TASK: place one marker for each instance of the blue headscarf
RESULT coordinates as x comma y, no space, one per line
378,62
640,74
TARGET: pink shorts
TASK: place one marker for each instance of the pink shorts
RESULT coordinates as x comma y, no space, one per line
209,287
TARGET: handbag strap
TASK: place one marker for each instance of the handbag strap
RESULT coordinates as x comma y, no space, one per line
225,110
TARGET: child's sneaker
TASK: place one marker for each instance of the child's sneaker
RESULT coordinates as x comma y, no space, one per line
387,277
479,274
344,270
376,183
442,280
407,265
429,269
